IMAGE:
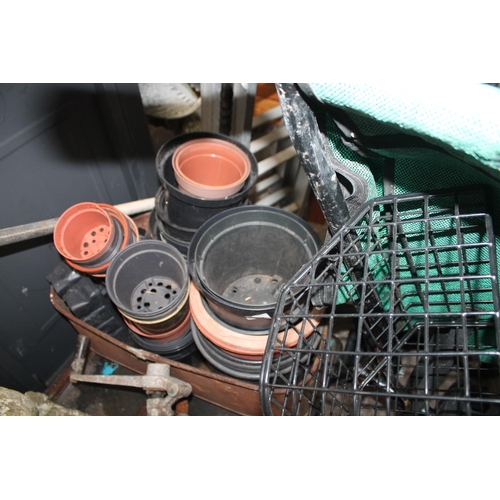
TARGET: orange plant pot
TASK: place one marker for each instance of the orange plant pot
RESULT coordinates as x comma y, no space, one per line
83,232
210,168
87,237
234,342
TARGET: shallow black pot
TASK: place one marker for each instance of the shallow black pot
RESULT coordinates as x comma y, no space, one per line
228,364
175,349
242,257
148,281
185,210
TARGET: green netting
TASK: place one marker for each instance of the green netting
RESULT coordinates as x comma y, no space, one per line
460,125
463,118
382,111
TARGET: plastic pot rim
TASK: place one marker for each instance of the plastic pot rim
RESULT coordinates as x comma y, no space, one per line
65,220
133,251
234,186
164,161
193,256
172,334
232,341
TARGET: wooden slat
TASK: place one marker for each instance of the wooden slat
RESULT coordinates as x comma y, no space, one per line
268,116
267,183
268,139
275,197
276,159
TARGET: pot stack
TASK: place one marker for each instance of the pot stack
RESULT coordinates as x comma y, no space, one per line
89,235
202,174
149,284
238,261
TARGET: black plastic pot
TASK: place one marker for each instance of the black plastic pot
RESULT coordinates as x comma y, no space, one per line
185,210
148,281
176,349
228,364
163,234
177,232
240,259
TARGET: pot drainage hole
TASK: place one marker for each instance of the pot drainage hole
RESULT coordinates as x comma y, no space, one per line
94,241
154,294
256,289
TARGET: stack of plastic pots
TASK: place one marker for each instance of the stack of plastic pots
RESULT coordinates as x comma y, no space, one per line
149,284
202,174
238,261
89,235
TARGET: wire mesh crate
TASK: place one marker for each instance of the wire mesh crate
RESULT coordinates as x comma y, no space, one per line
404,305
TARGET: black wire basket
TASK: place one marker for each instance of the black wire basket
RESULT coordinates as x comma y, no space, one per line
404,304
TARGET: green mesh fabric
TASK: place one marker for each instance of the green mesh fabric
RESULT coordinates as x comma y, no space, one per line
461,122
463,118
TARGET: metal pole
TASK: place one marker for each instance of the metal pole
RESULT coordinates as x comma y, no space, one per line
36,229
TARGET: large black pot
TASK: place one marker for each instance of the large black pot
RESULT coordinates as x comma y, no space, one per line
185,210
241,258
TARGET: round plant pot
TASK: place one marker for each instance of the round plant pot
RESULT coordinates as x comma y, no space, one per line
210,168
171,349
234,367
186,210
99,244
83,232
241,258
161,331
181,245
148,281
232,340
161,213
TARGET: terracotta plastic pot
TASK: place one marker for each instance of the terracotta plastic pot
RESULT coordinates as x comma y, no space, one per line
233,341
210,168
188,211
89,235
83,232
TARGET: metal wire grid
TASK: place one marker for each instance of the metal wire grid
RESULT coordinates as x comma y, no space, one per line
405,303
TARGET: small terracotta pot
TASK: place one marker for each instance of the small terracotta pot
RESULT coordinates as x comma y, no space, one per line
210,168
128,233
83,232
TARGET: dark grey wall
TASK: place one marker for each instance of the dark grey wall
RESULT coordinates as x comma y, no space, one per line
60,144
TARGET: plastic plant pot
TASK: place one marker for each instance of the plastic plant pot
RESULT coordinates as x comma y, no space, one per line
175,349
83,232
148,280
178,232
125,233
229,363
165,333
188,211
240,259
170,314
210,168
233,341
181,245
